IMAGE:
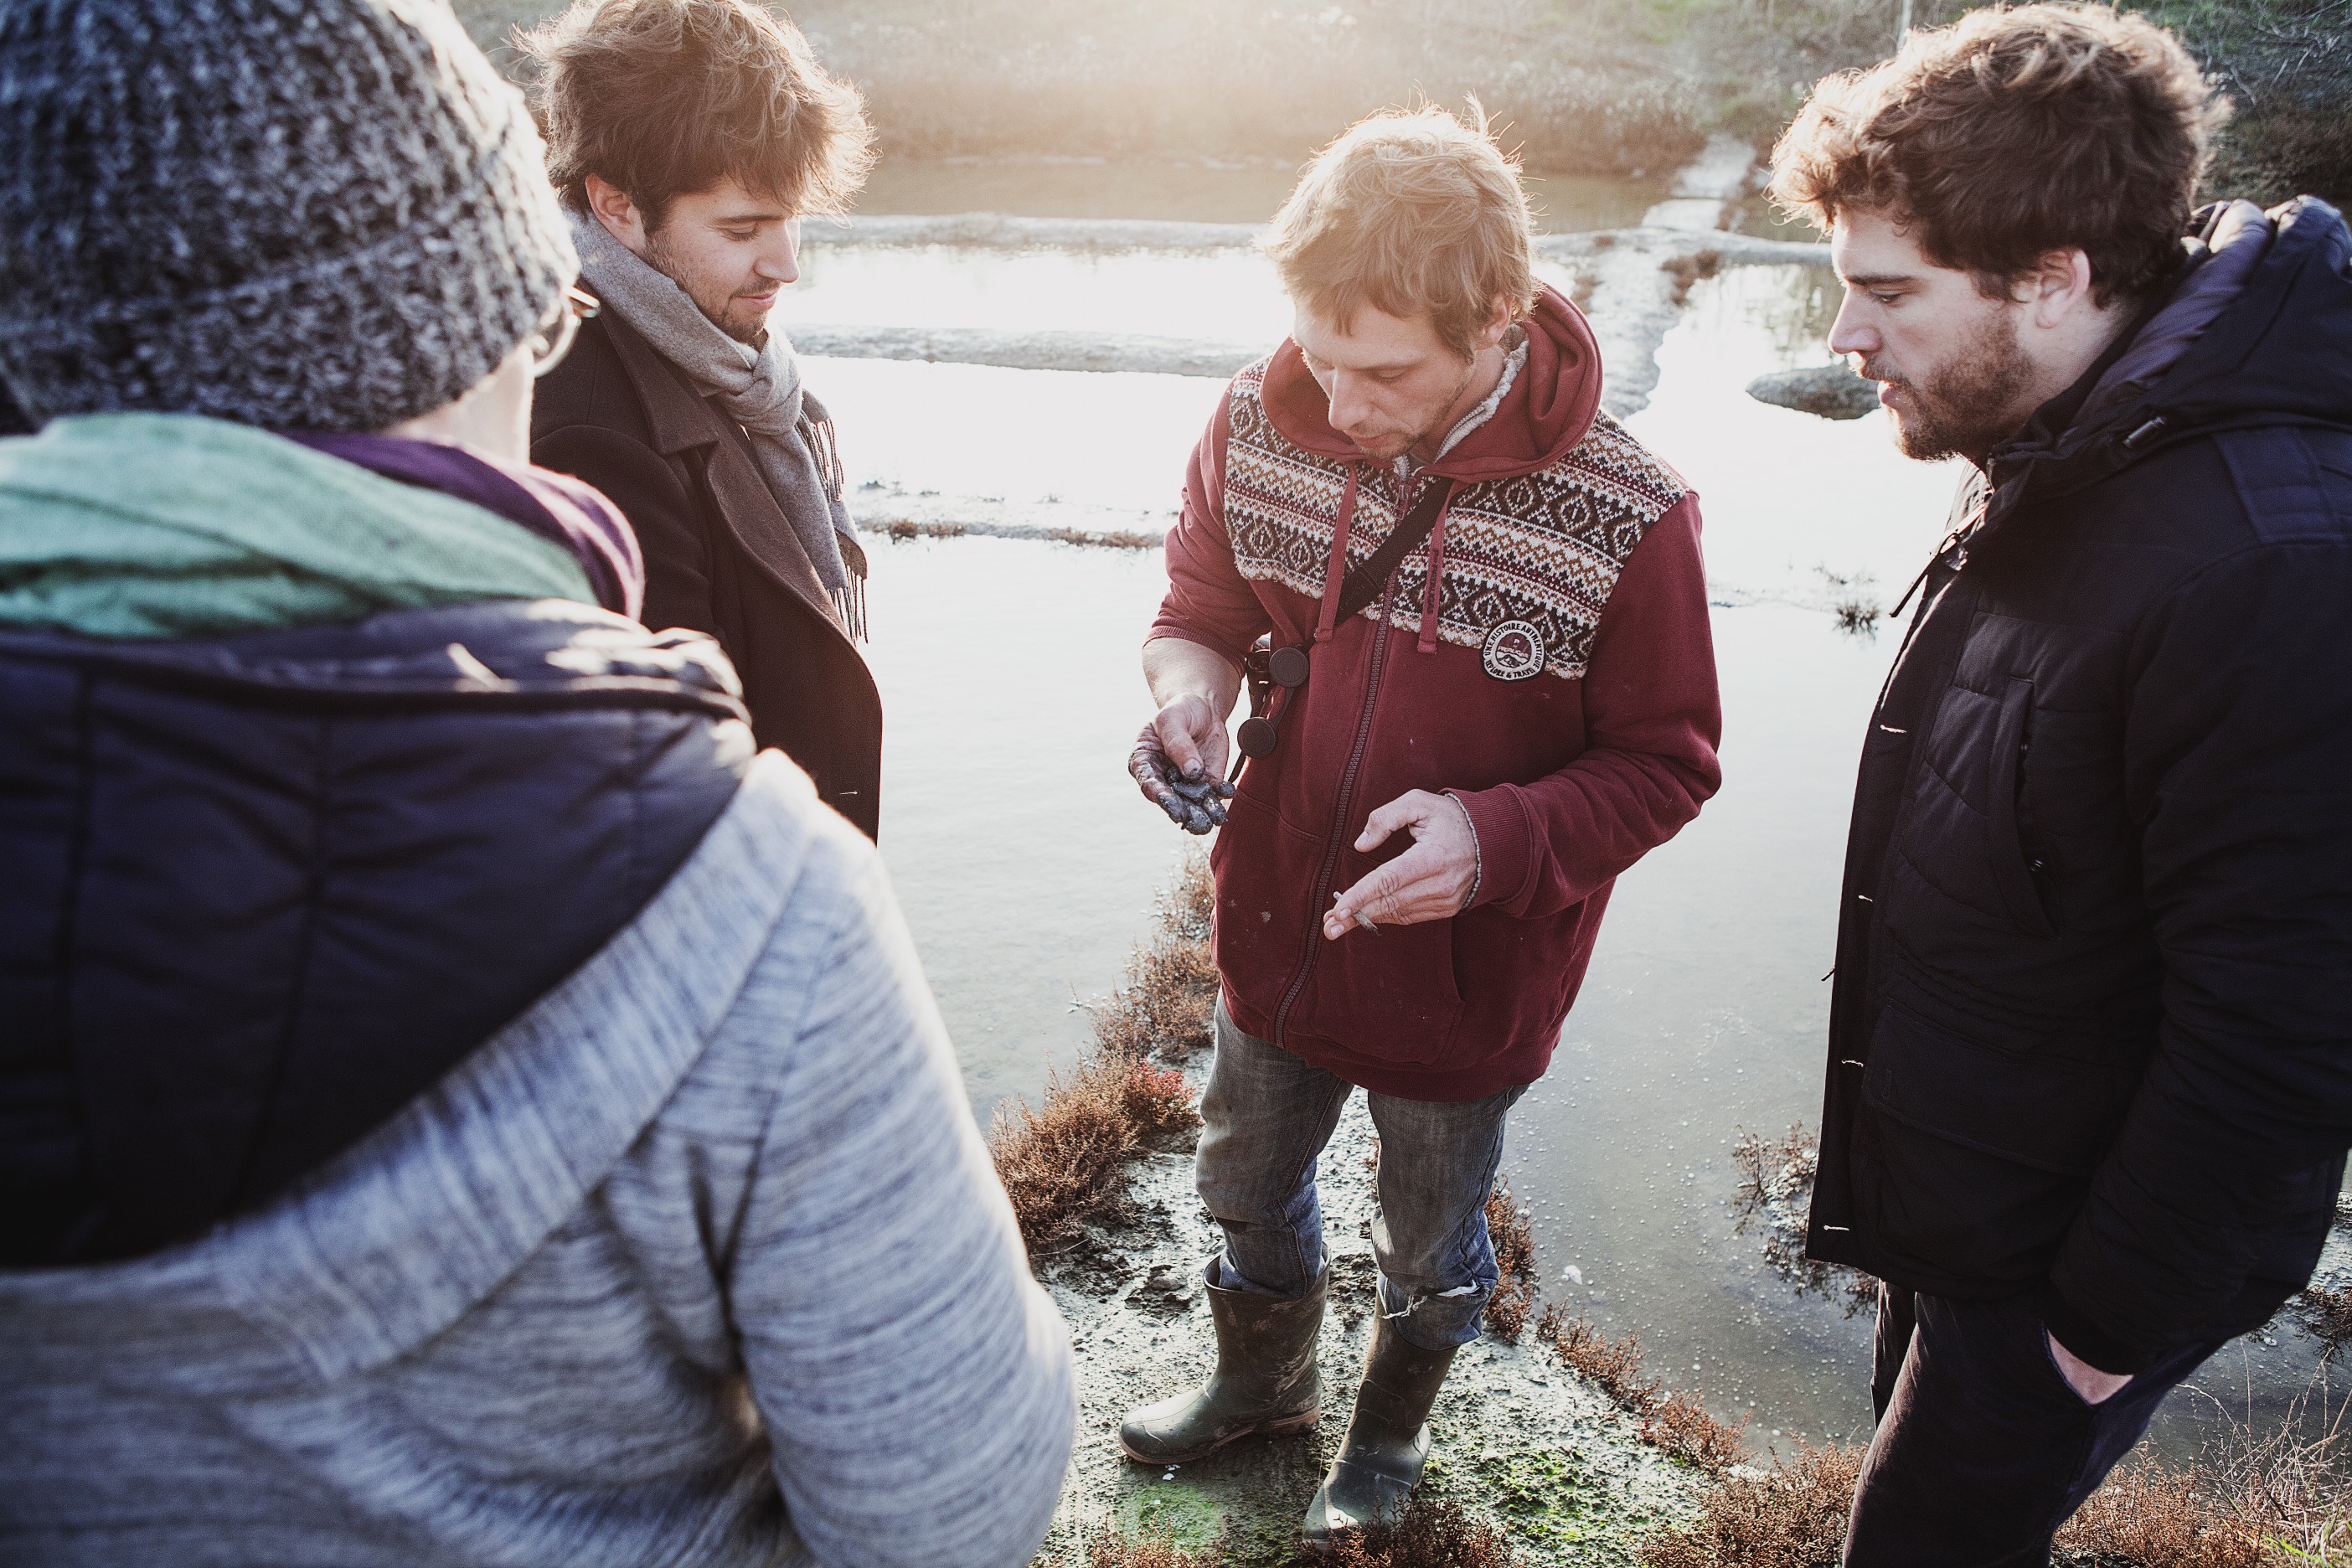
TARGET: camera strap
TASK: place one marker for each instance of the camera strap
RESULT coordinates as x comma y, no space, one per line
1363,585
1269,666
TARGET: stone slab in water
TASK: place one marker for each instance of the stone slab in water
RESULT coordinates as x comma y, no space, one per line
1832,391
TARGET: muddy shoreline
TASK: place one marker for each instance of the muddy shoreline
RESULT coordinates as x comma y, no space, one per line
1519,1438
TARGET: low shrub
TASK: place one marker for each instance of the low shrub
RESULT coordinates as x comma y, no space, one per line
1687,270
1514,1265
1613,1366
1793,1516
1167,1004
1684,1429
2154,1517
1110,1547
1433,1533
1774,1194
904,529
1063,1162
1157,1100
1675,1422
1104,539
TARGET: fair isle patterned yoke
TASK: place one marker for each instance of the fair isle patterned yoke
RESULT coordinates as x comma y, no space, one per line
1543,548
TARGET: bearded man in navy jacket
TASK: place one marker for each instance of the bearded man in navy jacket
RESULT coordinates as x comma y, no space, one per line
2090,1075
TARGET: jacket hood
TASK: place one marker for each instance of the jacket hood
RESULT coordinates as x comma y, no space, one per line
2216,354
1545,413
265,889
2282,351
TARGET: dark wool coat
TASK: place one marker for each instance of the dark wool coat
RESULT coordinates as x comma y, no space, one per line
720,556
2091,1036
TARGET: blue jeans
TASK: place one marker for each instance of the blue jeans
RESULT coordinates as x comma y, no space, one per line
1267,1116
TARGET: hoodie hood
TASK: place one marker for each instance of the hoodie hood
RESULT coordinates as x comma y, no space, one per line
2257,333
1548,410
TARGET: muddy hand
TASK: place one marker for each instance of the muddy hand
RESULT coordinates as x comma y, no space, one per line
1194,805
1431,881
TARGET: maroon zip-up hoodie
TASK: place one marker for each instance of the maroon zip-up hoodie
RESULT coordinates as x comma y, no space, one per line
1545,657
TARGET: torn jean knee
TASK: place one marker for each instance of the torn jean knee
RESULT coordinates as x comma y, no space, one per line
1436,1320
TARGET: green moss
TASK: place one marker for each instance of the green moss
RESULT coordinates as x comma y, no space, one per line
1173,1510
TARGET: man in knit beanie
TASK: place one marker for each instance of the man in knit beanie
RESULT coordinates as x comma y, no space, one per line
441,1065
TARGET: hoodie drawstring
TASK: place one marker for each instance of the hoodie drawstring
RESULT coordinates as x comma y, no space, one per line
1428,642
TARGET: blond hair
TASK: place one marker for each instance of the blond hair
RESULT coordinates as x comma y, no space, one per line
1415,213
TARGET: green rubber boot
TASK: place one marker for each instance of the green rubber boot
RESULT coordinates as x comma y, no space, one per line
1388,1441
1265,1381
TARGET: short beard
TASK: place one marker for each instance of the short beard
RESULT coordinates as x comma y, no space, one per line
658,258
1432,435
1965,407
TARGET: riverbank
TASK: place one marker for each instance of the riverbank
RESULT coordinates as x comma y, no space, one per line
1553,1445
1625,87
1559,1467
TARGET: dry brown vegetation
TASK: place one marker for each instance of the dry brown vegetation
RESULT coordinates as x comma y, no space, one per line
1793,1516
1776,1189
1104,539
1688,269
2326,1311
904,529
1514,1264
1674,1421
1165,1006
1110,1547
1433,1533
2278,1501
1063,1162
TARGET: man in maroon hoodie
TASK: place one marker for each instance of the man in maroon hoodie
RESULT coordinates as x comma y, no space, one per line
1468,735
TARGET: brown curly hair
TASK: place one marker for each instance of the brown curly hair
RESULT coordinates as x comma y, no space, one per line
2011,133
665,97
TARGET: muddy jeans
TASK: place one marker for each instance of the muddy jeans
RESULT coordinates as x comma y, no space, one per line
1983,1447
1268,1115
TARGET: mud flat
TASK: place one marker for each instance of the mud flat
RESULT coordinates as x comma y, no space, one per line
1517,1437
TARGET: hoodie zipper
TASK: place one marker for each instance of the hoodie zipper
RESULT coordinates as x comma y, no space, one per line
1339,811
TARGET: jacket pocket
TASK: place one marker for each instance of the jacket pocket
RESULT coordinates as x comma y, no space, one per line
2009,870
2036,1108
1388,994
1263,867
1958,872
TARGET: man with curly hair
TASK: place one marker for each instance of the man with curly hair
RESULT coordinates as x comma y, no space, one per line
2090,1065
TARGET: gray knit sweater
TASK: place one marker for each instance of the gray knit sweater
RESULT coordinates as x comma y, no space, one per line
699,1262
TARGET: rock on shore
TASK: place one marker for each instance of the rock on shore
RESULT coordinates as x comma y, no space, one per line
1832,391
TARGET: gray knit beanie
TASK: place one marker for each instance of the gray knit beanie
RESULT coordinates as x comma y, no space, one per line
315,214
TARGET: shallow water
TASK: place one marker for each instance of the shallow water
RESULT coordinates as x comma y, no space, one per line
1028,868
1197,192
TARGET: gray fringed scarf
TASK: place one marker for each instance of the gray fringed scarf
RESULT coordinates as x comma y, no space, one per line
791,435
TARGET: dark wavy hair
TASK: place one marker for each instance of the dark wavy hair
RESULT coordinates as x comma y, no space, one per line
2011,133
665,97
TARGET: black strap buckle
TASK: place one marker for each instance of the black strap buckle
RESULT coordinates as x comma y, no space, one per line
1267,668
